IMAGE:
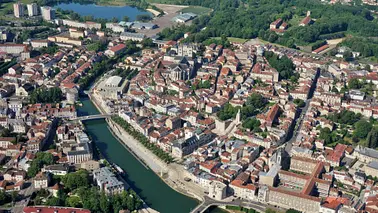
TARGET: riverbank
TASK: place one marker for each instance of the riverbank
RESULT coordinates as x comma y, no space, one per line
172,174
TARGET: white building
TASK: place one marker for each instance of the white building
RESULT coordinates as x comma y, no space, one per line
41,181
32,9
111,87
18,10
217,190
72,95
115,27
132,36
48,13
107,181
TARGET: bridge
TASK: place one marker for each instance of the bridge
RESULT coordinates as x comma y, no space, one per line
208,202
92,117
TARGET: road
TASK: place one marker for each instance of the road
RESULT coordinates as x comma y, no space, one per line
26,194
208,202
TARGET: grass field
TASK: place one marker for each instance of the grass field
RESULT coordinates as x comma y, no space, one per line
233,39
196,10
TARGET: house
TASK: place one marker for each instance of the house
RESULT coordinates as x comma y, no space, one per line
56,169
41,181
14,175
116,50
53,209
306,21
132,36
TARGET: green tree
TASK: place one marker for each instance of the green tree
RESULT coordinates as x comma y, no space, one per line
143,17
325,134
354,83
292,211
41,159
372,138
299,102
362,128
270,211
46,95
104,203
76,180
125,19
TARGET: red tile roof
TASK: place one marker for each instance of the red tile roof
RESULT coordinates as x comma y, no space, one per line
53,209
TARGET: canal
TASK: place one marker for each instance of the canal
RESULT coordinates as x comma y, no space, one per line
145,182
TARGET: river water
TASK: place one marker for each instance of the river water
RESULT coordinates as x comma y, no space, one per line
145,182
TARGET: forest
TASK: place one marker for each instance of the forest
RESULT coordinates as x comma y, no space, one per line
251,19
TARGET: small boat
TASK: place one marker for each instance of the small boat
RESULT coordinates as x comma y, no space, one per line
119,169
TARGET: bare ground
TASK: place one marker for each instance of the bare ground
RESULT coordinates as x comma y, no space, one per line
164,21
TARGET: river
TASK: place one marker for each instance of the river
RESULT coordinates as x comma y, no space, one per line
145,182
106,12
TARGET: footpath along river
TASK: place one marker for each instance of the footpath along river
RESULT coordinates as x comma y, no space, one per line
145,182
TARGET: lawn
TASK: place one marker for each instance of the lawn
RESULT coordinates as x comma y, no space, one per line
7,5
196,10
233,39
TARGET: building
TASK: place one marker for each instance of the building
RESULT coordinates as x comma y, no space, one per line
39,43
143,26
81,153
112,87
132,36
41,181
56,169
65,40
115,27
77,34
85,25
32,9
18,9
107,181
365,154
6,141
184,17
48,13
243,190
53,209
116,50
90,165
15,49
72,95
372,169
291,199
217,190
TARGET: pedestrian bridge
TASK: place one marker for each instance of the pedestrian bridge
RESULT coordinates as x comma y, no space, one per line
92,117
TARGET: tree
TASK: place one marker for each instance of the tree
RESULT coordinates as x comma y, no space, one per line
252,124
299,102
143,17
115,20
372,138
292,211
104,203
125,19
325,134
76,179
354,83
270,211
41,159
147,42
362,128
46,95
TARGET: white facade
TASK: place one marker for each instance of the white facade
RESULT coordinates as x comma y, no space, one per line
32,9
48,13
18,10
